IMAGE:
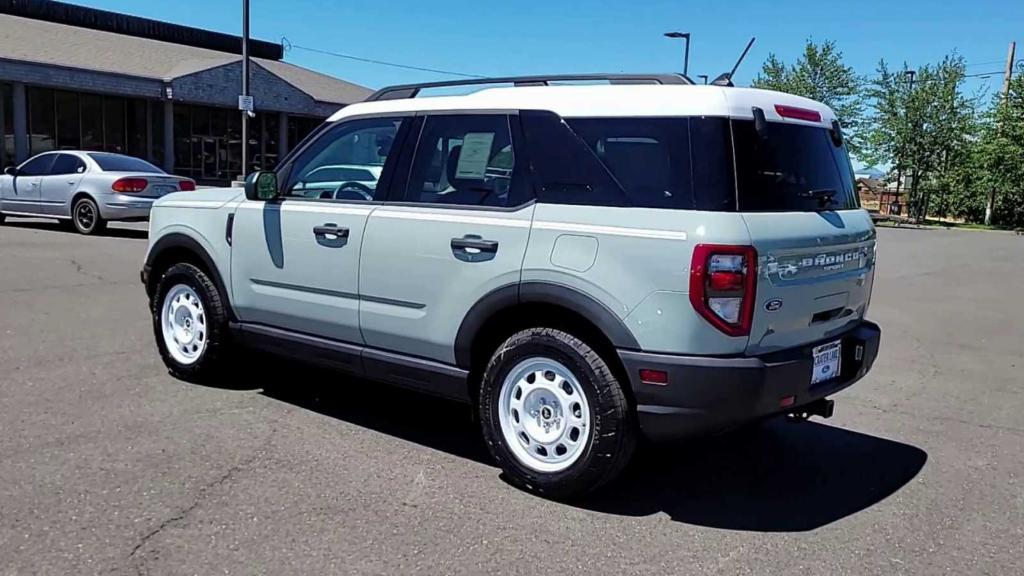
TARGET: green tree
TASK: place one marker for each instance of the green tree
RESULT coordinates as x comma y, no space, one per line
820,74
999,166
923,125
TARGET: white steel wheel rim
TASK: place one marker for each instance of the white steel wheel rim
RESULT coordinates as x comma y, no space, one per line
544,415
183,323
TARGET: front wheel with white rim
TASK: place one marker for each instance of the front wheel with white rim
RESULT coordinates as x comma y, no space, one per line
189,322
554,415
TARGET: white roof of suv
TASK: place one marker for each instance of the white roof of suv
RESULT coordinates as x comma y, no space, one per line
607,101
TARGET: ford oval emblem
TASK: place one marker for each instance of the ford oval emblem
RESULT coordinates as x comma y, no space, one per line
773,305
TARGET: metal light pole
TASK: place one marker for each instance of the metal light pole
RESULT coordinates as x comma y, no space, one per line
686,55
245,86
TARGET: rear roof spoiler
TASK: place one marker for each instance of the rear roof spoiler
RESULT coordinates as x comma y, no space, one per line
412,90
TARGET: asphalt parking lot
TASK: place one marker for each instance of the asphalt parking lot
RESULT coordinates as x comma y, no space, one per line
107,464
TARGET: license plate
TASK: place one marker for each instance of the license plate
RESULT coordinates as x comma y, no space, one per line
164,189
826,361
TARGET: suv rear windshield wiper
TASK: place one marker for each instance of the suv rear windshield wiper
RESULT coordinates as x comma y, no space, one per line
823,195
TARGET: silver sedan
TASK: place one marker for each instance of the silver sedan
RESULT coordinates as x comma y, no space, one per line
86,188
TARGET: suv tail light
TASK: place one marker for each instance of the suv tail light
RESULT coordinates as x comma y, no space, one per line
723,282
187,186
130,185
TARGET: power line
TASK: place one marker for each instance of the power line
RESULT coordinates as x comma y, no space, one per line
288,46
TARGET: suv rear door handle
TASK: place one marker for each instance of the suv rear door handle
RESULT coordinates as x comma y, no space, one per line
472,248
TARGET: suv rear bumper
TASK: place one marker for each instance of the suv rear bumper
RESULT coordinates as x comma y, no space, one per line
708,394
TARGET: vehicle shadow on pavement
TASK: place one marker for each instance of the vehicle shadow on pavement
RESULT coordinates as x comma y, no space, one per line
430,421
777,477
67,228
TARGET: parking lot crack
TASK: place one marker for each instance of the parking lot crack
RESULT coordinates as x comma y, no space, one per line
81,270
200,496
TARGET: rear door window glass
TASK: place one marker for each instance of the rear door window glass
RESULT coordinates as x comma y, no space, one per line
789,168
67,164
466,160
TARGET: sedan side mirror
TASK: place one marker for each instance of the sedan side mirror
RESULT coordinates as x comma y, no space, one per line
11,170
262,186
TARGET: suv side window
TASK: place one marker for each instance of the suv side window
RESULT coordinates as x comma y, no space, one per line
467,160
38,166
67,164
345,163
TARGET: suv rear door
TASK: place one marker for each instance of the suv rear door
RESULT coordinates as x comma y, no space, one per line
454,231
815,246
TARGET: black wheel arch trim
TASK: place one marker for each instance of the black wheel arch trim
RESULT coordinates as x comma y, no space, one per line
178,240
540,292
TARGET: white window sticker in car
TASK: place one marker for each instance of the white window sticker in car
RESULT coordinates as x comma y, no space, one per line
476,152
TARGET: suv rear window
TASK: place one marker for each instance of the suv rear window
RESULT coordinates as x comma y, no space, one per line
777,171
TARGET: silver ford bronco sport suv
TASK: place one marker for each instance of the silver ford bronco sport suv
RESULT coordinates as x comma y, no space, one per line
582,263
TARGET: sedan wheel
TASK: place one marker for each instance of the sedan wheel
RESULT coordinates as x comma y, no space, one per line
85,215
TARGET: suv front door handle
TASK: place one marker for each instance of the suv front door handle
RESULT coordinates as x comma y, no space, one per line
472,248
330,230
331,235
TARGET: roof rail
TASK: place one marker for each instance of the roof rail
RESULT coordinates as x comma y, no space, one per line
412,90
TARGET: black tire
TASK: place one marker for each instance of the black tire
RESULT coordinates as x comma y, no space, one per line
86,218
613,434
2,218
210,362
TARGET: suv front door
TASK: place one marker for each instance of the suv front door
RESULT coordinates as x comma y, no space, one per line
295,261
457,230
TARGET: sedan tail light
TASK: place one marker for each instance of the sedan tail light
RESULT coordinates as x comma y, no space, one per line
130,185
723,281
187,186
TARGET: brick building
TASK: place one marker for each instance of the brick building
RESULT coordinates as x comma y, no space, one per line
73,77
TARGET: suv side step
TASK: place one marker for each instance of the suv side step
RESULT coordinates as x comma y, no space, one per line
411,372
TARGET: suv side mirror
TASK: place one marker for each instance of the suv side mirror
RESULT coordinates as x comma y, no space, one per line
11,170
262,186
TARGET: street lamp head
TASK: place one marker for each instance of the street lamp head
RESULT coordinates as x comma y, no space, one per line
677,34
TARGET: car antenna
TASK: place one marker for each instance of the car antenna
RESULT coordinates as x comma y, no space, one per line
725,79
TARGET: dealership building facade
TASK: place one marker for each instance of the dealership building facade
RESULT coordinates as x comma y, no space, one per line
78,78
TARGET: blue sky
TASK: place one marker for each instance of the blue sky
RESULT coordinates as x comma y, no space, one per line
529,36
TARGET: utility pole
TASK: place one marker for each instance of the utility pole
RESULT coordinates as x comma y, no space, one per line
245,87
1007,77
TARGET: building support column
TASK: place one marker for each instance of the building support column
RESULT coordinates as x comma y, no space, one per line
3,132
20,123
282,135
149,131
168,136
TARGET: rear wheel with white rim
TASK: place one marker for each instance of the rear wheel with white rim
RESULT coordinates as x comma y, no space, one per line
85,215
553,414
189,322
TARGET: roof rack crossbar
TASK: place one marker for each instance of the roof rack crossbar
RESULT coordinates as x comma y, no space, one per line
412,90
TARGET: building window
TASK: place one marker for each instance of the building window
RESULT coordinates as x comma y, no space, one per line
92,122
68,121
113,125
40,120
137,129
6,126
